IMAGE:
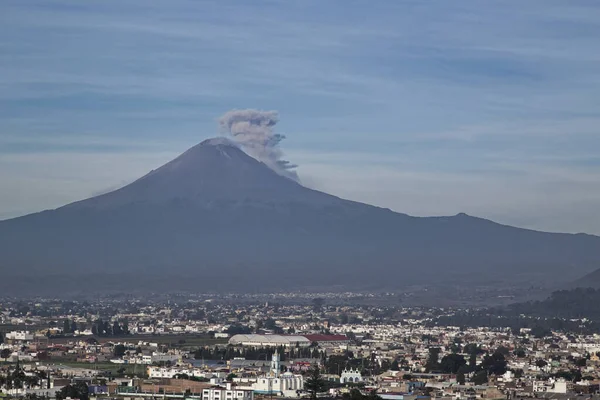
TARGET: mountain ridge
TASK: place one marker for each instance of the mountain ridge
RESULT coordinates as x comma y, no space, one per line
217,215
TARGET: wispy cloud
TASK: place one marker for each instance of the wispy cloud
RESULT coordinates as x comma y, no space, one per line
425,107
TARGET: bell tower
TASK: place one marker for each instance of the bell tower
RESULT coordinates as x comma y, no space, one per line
275,364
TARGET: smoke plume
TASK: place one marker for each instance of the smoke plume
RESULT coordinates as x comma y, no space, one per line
253,130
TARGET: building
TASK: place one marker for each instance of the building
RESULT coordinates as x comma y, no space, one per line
351,376
254,340
229,392
276,383
550,386
331,340
24,336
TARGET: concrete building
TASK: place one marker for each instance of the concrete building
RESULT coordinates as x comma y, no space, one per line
229,392
24,336
550,386
254,340
351,376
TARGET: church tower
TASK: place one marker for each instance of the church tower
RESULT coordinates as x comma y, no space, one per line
275,364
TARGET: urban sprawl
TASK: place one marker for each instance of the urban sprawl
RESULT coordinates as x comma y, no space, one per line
327,345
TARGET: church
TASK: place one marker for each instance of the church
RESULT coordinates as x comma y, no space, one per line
278,384
351,376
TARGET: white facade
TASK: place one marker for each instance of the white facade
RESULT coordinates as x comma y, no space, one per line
227,393
351,376
550,386
269,340
171,372
158,357
19,335
274,382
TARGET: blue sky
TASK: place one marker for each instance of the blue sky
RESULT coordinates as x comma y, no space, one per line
425,107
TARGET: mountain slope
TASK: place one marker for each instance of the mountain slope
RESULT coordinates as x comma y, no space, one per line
590,280
215,218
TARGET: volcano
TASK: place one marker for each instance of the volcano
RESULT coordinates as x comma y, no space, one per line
215,218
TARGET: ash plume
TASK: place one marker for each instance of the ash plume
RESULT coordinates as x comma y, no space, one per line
253,130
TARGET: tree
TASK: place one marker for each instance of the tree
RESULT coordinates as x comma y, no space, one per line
5,353
236,329
494,364
119,350
473,361
314,383
472,348
116,328
66,326
520,352
73,326
230,377
480,378
518,373
395,366
540,332
318,303
451,363
433,359
78,390
460,378
1,338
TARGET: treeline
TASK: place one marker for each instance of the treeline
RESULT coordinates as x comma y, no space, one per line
104,328
492,364
516,320
17,379
569,304
255,353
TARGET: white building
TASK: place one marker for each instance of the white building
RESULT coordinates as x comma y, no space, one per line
287,385
351,376
550,386
171,372
229,392
254,340
24,336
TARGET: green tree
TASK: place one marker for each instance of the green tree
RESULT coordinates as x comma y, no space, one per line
314,383
119,350
78,390
494,364
451,363
520,352
66,326
395,366
432,363
480,378
460,378
5,353
116,328
230,377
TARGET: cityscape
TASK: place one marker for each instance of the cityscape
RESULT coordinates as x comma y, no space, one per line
299,199
221,347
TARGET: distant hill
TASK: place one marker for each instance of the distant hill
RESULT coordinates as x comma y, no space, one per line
574,303
215,218
575,310
591,280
